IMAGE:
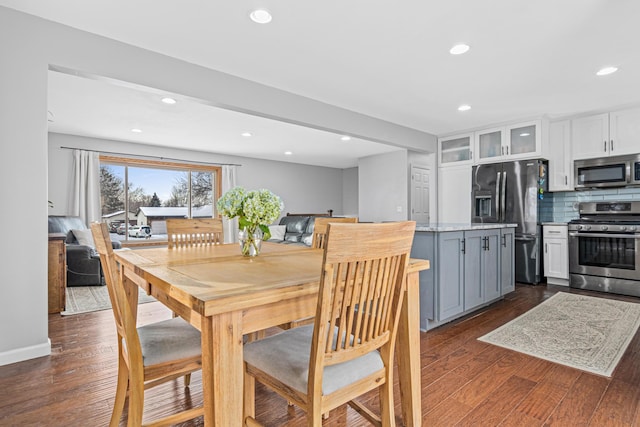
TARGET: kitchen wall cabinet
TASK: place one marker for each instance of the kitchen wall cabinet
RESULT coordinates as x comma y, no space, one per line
556,254
559,156
511,142
470,268
454,194
455,150
607,134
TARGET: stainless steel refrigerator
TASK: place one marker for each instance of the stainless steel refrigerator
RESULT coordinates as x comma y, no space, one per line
509,193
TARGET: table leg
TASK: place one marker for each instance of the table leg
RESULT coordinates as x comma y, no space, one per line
408,353
222,369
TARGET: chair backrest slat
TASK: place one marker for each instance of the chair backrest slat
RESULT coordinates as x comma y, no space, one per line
361,290
320,229
194,232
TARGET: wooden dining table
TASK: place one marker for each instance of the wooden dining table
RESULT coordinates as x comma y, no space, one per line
226,296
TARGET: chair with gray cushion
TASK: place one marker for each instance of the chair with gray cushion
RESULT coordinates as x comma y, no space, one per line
148,355
349,349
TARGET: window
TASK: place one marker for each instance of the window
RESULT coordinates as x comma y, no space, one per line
152,191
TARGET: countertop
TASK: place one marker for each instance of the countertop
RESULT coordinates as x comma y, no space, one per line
460,227
554,223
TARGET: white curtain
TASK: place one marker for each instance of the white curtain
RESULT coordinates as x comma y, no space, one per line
230,226
84,200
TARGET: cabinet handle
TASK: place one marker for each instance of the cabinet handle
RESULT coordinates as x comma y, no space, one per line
507,150
546,248
605,146
463,245
502,151
470,155
611,146
566,180
488,243
504,240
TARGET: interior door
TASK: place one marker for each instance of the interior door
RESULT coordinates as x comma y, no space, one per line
420,194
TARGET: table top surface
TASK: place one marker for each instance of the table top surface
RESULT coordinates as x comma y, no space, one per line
216,278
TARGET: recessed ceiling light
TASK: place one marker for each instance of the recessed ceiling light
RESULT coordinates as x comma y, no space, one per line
606,71
288,153
169,101
345,138
459,49
525,134
246,134
464,108
260,16
136,130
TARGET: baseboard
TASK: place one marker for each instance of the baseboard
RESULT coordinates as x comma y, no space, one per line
25,353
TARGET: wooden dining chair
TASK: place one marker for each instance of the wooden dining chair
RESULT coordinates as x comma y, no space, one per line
320,229
148,355
192,232
349,348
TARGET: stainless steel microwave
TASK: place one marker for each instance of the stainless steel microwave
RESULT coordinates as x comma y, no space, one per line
607,172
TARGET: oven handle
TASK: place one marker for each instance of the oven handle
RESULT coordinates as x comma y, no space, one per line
621,236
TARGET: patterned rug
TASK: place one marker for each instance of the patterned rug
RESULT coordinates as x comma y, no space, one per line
84,299
583,332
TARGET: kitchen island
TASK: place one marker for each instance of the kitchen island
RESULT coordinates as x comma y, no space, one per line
472,265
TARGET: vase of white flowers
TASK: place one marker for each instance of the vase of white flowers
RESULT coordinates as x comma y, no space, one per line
255,209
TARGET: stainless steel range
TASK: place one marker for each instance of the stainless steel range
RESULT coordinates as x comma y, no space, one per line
604,247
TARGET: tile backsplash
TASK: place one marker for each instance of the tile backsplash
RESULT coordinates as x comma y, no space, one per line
563,206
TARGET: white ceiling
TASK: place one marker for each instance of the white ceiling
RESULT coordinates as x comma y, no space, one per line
385,59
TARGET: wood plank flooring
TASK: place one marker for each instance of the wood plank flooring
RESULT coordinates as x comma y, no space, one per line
465,382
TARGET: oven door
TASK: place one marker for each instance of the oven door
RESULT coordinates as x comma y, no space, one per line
605,254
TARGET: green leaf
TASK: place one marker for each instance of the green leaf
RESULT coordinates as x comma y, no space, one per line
266,233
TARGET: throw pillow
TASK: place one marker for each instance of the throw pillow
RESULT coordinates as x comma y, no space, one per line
84,237
277,232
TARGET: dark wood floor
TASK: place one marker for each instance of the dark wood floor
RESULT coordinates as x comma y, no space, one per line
464,381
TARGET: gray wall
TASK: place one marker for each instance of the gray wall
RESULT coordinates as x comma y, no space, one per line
28,47
383,187
350,192
302,188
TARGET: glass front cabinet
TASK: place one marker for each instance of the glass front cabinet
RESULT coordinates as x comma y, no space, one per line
522,140
455,150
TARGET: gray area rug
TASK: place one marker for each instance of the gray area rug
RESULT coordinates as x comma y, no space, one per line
586,333
84,299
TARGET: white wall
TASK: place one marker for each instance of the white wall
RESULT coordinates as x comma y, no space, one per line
28,47
350,192
302,188
383,187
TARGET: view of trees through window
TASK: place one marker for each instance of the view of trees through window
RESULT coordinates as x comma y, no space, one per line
153,194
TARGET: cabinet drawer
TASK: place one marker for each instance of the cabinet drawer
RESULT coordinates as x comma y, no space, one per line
557,231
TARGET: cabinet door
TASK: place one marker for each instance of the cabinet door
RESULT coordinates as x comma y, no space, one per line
560,163
556,258
590,136
491,265
455,150
507,262
523,140
489,145
450,274
474,244
454,194
624,131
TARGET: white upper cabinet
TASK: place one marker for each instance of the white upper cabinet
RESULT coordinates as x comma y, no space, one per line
607,134
455,150
517,141
559,155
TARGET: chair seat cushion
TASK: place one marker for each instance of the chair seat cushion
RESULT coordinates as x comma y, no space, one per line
285,356
168,340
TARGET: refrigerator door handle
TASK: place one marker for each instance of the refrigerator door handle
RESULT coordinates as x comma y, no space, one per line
503,196
498,213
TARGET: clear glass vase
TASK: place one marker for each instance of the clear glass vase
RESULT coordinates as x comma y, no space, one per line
250,241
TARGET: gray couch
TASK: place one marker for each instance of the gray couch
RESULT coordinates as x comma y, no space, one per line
83,262
298,231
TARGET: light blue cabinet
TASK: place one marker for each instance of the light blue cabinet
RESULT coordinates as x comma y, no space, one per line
507,256
469,269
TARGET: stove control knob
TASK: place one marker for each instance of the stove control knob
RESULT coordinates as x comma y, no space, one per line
604,228
580,227
632,228
587,227
623,228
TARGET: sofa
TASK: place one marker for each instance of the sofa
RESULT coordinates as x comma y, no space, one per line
294,230
83,262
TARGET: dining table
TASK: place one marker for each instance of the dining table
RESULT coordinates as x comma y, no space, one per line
228,296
